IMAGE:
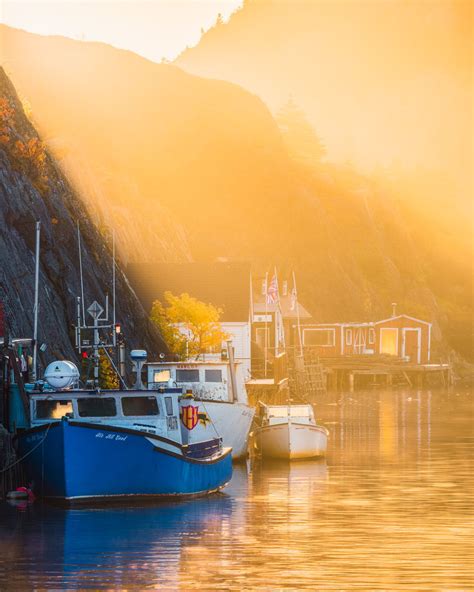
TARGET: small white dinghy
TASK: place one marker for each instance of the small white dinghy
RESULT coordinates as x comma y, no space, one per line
290,432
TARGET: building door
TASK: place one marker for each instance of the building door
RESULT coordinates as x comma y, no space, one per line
260,334
411,345
359,340
389,341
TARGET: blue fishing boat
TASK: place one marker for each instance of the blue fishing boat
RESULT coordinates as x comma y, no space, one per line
83,445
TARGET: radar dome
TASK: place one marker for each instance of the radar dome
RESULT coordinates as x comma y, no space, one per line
61,374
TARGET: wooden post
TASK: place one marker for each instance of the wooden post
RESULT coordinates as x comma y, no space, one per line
351,382
419,379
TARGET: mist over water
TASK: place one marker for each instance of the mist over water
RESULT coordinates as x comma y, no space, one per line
389,509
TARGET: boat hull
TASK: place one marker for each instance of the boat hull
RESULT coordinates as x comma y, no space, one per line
232,421
76,461
292,441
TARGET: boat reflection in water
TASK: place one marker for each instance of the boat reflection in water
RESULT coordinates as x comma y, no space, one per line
109,547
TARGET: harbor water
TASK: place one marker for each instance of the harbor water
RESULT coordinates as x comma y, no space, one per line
390,508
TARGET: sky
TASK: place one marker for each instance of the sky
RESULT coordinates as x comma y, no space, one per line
155,29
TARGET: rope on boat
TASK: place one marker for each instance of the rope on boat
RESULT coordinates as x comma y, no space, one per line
18,460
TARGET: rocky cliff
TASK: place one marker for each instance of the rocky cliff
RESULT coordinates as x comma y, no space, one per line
33,188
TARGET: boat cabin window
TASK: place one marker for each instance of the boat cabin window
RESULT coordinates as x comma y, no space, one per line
213,376
161,375
294,412
140,406
169,405
96,407
53,409
186,375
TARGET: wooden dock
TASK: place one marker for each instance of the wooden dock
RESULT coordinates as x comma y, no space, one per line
304,376
350,372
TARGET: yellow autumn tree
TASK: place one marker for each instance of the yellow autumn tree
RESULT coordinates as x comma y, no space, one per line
108,378
188,326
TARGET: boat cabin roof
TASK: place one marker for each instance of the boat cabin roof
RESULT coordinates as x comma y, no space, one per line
192,363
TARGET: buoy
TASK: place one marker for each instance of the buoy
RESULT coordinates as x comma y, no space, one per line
21,493
17,495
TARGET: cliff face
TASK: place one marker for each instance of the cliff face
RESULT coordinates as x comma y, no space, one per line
33,188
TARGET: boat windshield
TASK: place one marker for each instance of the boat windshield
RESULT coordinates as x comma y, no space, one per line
161,375
139,406
47,409
293,412
186,375
96,407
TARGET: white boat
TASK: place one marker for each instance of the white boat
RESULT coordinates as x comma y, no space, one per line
222,396
290,432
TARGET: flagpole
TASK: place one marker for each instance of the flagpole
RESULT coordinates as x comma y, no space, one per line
280,312
266,329
298,323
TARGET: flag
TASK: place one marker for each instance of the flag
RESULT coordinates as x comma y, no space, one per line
293,299
272,291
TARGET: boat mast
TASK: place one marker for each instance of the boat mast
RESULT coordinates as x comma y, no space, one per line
233,381
114,322
35,309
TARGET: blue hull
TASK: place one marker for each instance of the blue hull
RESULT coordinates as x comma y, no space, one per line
71,460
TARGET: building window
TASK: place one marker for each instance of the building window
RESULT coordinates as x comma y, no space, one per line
348,336
213,376
53,409
139,406
187,375
161,375
322,337
371,336
96,407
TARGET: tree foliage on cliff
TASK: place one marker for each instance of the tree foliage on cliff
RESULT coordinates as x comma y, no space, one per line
188,326
26,154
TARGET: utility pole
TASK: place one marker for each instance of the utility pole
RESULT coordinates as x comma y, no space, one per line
35,309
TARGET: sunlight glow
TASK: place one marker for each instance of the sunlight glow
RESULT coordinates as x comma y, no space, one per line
156,29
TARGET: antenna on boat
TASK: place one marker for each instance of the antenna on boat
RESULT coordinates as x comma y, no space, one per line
114,321
35,308
80,273
101,321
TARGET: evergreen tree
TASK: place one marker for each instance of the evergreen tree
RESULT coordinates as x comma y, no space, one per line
300,138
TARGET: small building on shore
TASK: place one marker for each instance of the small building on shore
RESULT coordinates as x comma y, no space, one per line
401,336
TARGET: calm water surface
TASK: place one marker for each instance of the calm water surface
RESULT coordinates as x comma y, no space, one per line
390,509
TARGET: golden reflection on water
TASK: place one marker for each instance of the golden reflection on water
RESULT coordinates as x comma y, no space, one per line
390,509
